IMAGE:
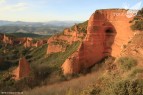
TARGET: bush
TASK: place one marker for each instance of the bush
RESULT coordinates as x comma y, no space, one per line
82,27
122,87
41,71
95,90
136,71
138,25
140,12
127,87
127,63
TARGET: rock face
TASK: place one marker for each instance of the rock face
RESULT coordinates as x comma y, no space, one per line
55,48
23,70
106,33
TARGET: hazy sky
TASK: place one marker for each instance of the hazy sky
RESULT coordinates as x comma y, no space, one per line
47,10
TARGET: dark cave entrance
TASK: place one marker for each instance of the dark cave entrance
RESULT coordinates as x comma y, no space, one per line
109,40
109,31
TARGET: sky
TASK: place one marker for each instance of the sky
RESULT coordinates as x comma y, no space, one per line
57,10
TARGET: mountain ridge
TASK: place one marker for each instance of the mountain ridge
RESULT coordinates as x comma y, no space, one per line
48,23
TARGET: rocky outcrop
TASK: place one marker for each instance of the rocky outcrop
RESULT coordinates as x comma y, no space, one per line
58,43
17,41
7,40
28,42
52,48
106,33
23,69
39,43
68,35
25,41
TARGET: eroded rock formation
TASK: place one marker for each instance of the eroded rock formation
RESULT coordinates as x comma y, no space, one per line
107,32
23,69
25,41
7,40
57,43
52,48
28,42
39,43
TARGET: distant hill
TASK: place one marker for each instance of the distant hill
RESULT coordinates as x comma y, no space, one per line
36,24
44,28
27,35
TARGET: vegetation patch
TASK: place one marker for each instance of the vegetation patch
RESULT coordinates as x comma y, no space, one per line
138,21
136,71
82,27
127,63
63,43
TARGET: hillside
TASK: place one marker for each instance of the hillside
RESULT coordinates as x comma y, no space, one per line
111,76
119,75
40,58
101,56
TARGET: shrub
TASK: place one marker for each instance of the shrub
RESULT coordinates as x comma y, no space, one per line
82,27
127,63
41,71
138,25
122,87
135,72
91,91
140,12
128,87
5,65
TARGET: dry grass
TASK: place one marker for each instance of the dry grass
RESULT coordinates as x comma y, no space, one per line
71,87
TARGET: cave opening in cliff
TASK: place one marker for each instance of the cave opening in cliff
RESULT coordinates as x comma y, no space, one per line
109,31
109,40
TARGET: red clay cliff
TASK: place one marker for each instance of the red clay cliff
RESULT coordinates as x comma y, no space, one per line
106,34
